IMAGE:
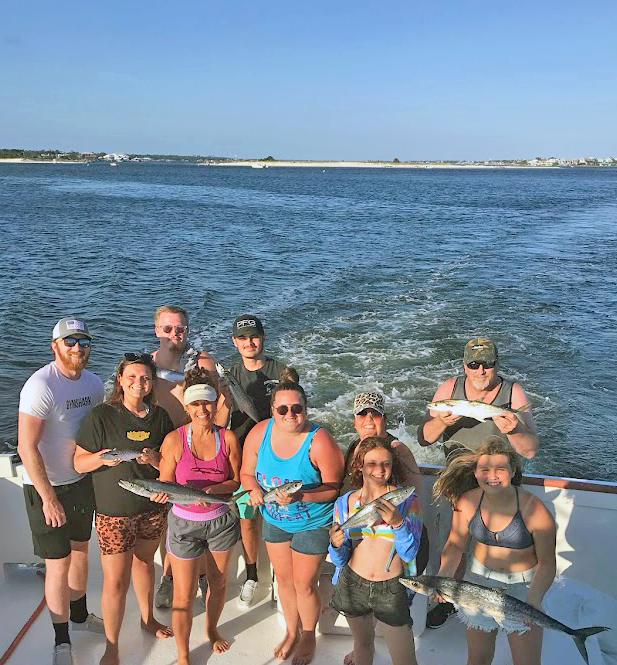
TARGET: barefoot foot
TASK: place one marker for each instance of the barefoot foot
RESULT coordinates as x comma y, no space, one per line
349,660
110,657
283,650
305,649
160,631
219,644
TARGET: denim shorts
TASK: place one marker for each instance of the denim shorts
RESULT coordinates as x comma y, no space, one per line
387,601
314,541
189,539
514,584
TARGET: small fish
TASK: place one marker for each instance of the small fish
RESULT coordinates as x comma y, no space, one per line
497,604
122,455
289,488
474,409
169,375
368,515
241,399
183,495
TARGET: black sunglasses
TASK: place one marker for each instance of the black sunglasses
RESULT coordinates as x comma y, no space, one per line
296,409
365,412
83,342
136,357
476,364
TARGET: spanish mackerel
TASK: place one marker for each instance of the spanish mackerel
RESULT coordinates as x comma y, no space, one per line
288,488
121,455
497,604
241,399
183,495
368,515
475,409
169,375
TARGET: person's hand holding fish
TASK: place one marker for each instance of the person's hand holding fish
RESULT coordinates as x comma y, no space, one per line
108,462
149,456
389,512
256,497
284,498
506,422
447,417
160,498
337,535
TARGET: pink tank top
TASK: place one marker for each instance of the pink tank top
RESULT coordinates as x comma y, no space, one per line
201,474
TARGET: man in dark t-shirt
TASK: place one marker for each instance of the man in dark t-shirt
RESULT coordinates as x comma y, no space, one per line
256,373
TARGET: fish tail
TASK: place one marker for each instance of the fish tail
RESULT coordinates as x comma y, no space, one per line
523,408
581,634
235,497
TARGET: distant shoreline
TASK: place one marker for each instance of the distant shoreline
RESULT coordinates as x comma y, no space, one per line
21,160
370,165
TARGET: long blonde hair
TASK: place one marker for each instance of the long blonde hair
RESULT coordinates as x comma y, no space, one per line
459,475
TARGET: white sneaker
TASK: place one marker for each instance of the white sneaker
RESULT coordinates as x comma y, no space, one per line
203,589
92,624
63,655
164,592
247,594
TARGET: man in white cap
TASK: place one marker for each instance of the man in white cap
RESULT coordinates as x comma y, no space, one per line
60,501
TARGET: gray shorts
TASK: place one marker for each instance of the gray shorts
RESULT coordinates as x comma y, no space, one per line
189,539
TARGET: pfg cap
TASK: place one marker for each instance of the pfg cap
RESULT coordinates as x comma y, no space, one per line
68,327
199,392
480,349
248,324
373,401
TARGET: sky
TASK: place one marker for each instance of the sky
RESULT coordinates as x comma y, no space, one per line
415,80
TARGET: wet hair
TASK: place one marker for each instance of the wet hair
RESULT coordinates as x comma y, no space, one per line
171,309
364,447
116,396
288,380
459,475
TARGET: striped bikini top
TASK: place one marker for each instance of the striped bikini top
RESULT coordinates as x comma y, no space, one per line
515,536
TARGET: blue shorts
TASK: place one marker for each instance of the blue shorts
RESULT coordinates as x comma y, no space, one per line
314,541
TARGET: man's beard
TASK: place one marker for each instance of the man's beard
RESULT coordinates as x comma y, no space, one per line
75,363
177,347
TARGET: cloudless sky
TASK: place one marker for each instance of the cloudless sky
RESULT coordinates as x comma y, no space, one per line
335,79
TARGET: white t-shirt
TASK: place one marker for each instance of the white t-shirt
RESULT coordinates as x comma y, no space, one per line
62,403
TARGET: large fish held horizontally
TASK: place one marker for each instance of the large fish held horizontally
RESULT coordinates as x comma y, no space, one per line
241,399
496,603
183,495
368,515
475,409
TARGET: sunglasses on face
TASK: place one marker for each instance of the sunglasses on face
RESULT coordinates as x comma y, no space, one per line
82,341
135,357
365,412
179,329
475,364
296,409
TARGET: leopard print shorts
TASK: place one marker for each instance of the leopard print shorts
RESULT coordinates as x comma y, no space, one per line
120,534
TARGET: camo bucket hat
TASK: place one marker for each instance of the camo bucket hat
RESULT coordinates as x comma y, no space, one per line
369,401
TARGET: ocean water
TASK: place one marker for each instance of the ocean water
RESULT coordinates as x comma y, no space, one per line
364,278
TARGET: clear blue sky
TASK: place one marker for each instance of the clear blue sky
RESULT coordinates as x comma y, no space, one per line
335,79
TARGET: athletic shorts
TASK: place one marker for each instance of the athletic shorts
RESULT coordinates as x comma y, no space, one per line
120,534
77,499
314,541
387,601
189,539
514,584
246,512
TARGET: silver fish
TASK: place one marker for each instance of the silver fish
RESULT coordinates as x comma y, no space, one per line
475,409
290,488
368,515
241,399
183,495
169,375
497,604
122,455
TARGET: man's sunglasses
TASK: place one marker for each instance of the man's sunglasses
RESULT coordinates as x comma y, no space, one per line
475,364
365,412
83,342
179,329
296,409
138,357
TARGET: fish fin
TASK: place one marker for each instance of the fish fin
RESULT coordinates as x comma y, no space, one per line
235,510
519,412
238,496
581,634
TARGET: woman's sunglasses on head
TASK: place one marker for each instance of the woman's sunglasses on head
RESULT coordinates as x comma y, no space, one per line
135,357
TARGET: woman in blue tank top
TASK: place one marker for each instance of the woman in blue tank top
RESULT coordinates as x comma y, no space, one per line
513,537
285,448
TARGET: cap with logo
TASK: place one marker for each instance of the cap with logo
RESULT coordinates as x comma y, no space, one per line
248,324
480,349
199,392
373,401
68,327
